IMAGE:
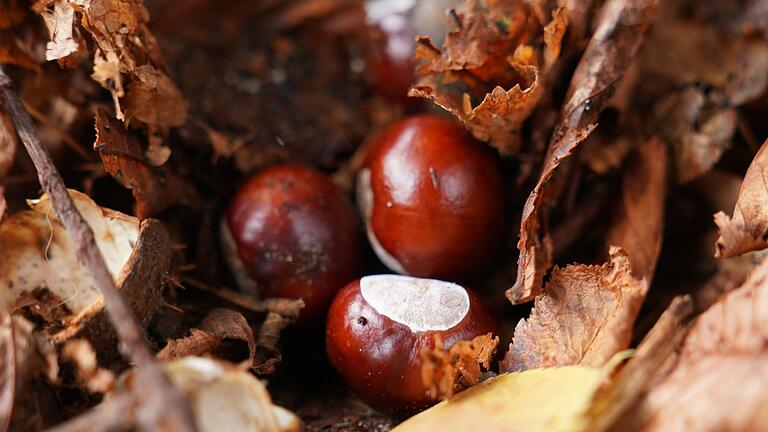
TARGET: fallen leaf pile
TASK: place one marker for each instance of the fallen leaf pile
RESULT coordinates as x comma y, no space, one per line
631,288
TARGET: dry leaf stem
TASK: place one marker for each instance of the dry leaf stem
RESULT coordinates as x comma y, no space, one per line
162,407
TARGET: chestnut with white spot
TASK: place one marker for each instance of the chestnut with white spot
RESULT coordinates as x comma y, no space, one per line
378,325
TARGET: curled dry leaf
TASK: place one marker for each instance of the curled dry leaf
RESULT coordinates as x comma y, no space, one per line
694,76
726,344
125,51
747,229
584,317
490,70
268,353
218,328
620,30
80,353
449,371
154,189
553,399
586,313
40,273
226,398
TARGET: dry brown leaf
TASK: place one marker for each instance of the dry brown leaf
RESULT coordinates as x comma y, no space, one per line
722,357
60,22
638,225
80,353
693,77
620,30
747,229
154,189
488,73
126,52
584,317
218,328
446,372
268,353
154,99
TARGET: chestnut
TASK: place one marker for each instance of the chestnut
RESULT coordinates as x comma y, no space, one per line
432,199
290,232
391,64
378,325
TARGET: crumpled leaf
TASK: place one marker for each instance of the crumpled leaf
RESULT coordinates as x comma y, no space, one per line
126,52
583,318
40,273
94,378
154,189
747,229
620,30
553,399
694,76
60,22
155,100
218,328
489,73
723,357
449,371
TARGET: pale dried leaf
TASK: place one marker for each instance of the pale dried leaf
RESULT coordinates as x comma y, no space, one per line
60,22
584,317
747,229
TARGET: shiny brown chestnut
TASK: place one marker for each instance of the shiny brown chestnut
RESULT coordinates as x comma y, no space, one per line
432,199
391,65
290,232
378,325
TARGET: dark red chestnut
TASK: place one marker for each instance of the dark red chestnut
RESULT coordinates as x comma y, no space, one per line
378,325
432,198
392,64
290,232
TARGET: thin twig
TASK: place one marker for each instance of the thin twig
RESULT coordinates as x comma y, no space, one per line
162,407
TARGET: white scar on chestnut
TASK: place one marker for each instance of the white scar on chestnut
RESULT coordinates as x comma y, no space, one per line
421,304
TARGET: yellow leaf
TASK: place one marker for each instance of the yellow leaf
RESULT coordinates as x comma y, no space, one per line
551,399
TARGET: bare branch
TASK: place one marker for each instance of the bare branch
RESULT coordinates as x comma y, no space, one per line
162,407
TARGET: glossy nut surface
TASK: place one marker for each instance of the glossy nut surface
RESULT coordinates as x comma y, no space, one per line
432,199
296,235
374,338
391,64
